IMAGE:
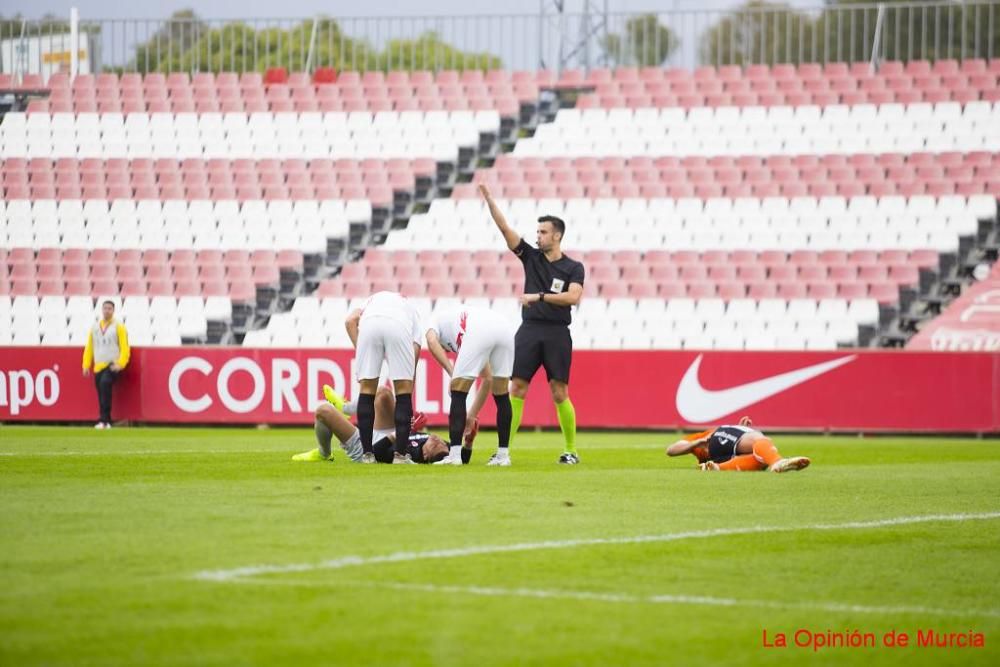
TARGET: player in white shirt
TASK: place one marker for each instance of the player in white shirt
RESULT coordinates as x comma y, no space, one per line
387,329
484,343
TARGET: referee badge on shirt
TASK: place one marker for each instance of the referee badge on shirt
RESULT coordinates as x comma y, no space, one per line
557,286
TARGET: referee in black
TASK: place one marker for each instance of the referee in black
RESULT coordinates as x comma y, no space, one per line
553,283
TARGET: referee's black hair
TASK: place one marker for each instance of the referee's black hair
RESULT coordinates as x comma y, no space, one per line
559,225
108,301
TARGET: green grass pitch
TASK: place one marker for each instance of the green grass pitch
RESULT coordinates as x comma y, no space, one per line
124,548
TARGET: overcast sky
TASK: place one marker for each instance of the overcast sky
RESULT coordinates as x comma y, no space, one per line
516,40
302,8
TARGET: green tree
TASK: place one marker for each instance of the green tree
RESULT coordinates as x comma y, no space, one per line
165,48
759,33
49,24
645,42
910,31
186,44
430,52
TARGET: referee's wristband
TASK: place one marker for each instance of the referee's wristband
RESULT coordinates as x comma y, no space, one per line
541,297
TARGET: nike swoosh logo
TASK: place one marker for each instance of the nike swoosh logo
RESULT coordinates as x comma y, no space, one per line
702,406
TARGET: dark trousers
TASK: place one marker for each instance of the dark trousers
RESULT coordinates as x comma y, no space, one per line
104,381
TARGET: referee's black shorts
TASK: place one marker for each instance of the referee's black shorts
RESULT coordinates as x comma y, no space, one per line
539,344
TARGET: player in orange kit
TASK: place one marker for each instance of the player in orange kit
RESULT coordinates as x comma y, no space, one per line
737,447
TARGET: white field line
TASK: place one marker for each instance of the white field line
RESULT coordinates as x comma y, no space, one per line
148,452
241,573
651,447
627,598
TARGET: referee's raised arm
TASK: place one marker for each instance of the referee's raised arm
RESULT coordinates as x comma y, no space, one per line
512,238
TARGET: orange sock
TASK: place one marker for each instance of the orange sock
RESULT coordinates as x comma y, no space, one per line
701,453
765,451
743,463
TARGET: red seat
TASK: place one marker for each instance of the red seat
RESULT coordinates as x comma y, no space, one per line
925,258
794,290
812,272
732,289
843,272
782,273
614,290
672,290
440,288
852,290
722,272
904,274
701,290
872,273
884,293
643,290
751,272
693,273
821,290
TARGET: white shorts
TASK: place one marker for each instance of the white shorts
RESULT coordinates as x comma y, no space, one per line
488,337
384,338
353,447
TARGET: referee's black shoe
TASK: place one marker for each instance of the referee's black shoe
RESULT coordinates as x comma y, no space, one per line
568,458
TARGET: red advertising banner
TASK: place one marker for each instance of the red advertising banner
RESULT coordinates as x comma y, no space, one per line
845,390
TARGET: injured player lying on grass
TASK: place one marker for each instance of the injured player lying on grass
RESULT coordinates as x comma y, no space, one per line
333,421
738,447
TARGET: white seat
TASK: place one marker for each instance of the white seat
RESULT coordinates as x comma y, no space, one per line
789,342
864,311
741,308
801,309
313,338
830,310
689,328
218,308
729,340
257,338
843,331
22,336
192,325
771,309
167,338
759,340
702,341
680,309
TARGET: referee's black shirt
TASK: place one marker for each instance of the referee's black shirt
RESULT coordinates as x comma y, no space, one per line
541,275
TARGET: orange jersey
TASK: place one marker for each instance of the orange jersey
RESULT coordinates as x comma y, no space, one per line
701,451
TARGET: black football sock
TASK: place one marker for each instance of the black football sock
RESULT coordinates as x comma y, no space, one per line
456,417
366,421
403,414
504,415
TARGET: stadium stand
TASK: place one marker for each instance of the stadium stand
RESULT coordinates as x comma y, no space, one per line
814,205
785,213
213,201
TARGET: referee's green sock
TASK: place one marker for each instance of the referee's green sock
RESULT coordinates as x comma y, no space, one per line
567,422
516,412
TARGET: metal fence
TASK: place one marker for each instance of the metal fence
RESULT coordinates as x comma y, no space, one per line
556,40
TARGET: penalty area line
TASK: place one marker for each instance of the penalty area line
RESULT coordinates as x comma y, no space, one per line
628,598
231,574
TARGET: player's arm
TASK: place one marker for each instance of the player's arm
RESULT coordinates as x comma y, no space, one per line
353,324
88,353
438,352
686,444
512,238
570,297
485,381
